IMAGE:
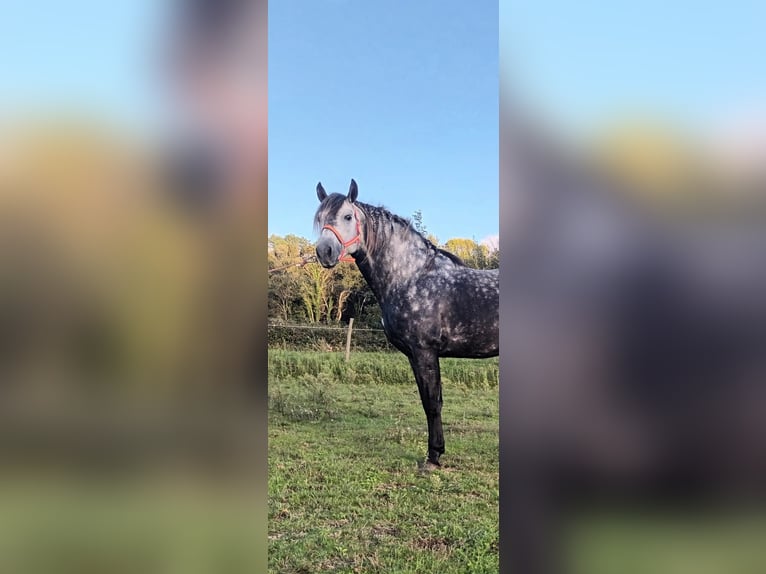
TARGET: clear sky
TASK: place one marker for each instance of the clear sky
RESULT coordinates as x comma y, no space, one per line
402,96
584,63
84,56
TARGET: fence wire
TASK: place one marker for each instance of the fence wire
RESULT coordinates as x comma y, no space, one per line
303,337
323,327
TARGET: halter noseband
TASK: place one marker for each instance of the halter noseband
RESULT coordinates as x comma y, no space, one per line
356,239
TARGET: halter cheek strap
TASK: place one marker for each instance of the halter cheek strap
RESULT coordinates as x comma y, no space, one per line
356,239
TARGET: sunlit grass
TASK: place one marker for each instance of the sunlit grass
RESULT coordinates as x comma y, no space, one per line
345,490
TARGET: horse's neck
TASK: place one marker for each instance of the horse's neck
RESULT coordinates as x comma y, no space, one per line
395,262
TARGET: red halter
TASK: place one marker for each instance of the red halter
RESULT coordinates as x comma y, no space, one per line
356,239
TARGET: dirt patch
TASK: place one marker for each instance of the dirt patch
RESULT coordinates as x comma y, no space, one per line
437,545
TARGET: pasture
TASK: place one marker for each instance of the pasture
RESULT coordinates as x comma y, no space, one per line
345,492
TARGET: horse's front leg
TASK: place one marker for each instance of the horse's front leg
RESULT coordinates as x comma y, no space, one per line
425,365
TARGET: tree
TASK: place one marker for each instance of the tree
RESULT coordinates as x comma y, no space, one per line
480,256
347,280
463,248
284,294
493,261
314,291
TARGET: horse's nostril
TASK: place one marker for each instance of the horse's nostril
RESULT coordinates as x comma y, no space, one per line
324,251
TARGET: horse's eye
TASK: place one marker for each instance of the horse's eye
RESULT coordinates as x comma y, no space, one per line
347,217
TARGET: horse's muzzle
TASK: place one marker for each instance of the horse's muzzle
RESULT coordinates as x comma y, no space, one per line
328,253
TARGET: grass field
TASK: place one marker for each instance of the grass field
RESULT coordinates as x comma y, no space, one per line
345,492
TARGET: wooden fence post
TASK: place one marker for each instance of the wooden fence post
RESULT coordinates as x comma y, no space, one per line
348,338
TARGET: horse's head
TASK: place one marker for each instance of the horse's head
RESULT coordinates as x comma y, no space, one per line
340,225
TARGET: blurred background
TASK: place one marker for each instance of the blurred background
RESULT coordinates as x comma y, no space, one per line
132,286
633,241
132,244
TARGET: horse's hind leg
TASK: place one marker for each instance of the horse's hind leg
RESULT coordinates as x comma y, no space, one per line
425,365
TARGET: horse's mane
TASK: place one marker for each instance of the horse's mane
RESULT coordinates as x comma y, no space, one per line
378,216
455,259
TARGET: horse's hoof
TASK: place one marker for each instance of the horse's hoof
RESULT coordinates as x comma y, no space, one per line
429,465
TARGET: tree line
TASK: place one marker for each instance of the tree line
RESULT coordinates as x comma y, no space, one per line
309,293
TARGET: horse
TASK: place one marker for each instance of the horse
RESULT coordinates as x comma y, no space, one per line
432,304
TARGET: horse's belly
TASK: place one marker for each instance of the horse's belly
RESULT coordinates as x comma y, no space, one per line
450,334
475,348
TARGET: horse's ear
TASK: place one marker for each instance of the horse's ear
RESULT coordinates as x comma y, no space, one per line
321,193
353,191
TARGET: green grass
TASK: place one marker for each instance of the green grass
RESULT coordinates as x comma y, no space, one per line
379,369
345,490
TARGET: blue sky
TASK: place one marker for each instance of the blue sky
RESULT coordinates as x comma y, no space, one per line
584,63
84,56
400,95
